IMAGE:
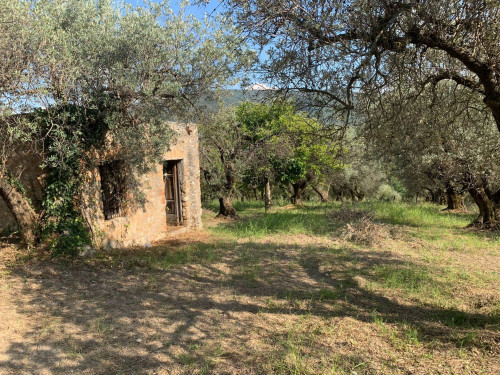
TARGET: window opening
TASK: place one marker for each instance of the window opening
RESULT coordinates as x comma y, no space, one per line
112,188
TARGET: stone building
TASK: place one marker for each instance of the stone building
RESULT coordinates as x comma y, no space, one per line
171,196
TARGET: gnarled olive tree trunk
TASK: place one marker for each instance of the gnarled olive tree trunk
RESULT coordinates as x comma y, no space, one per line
339,194
454,198
487,202
323,193
23,213
226,208
298,191
489,210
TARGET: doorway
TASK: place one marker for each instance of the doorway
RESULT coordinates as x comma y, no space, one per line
173,195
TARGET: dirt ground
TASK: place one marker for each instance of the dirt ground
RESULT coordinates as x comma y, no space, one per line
280,304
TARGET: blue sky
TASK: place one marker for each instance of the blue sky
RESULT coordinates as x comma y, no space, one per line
213,7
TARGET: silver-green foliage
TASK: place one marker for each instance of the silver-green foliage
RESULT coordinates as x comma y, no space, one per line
140,65
442,135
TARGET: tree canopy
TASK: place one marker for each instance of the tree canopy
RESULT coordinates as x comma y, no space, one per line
254,144
333,48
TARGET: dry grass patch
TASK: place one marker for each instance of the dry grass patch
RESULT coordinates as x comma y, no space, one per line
360,226
366,232
346,215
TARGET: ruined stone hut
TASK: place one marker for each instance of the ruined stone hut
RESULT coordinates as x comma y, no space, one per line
171,195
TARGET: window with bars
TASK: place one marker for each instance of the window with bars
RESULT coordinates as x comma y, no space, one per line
112,187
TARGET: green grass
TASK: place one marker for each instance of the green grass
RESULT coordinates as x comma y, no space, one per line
422,215
256,223
244,206
431,280
414,280
443,230
311,218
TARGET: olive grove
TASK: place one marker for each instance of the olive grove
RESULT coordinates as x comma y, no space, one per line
256,145
336,51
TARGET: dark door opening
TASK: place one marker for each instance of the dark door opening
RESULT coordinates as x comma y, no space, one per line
173,199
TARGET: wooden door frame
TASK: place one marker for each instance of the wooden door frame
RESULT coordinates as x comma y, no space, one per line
177,194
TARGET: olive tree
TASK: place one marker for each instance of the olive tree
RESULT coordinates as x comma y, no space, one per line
222,152
96,72
333,48
361,174
263,143
442,138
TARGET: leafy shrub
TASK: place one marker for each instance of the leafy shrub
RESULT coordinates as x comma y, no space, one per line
387,193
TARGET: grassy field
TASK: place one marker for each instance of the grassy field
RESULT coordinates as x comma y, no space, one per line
370,288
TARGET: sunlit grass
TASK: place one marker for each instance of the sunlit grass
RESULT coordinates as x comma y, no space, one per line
418,215
413,280
290,221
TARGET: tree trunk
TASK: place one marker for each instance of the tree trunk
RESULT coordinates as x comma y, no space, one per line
22,211
489,212
226,208
493,102
339,195
323,194
353,196
267,197
360,196
437,196
298,191
454,199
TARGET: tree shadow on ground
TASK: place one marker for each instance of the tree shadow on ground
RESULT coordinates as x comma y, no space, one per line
135,314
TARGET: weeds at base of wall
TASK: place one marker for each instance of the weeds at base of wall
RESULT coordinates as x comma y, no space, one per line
68,236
